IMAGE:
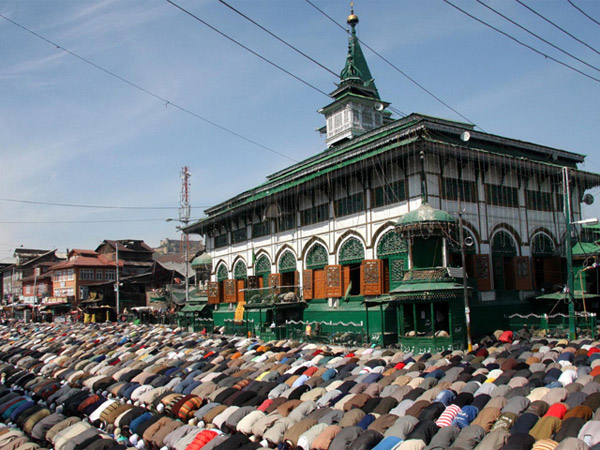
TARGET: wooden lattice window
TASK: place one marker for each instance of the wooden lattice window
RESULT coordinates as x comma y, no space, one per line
287,262
262,266
317,257
352,251
222,273
391,244
240,271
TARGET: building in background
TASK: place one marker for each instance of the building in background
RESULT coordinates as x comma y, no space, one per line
172,246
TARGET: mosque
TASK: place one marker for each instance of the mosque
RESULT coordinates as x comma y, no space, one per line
366,233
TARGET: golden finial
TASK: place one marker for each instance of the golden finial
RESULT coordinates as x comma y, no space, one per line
352,18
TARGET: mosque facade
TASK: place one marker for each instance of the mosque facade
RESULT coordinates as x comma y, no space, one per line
326,227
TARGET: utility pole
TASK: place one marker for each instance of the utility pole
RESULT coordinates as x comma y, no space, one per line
184,218
569,253
463,258
117,277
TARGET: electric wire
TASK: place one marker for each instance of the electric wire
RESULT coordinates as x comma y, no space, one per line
76,205
80,221
248,49
537,36
557,26
404,74
520,42
148,92
279,39
583,12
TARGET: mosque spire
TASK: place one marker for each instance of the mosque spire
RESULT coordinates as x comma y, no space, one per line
356,71
356,107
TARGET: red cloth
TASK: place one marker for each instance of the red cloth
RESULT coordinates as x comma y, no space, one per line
595,371
506,337
350,355
557,410
482,352
201,439
593,350
310,371
264,405
399,366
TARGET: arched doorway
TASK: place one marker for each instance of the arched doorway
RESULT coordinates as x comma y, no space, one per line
351,255
287,269
504,252
262,270
317,258
546,264
240,274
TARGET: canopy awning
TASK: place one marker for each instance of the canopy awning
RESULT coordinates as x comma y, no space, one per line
193,308
560,295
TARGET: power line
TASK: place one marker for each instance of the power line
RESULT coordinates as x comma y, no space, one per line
280,39
395,110
521,43
404,74
538,37
147,91
557,26
75,205
248,49
583,12
81,221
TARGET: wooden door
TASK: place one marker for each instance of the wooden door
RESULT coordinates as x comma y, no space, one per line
333,281
307,284
370,277
319,288
239,285
213,292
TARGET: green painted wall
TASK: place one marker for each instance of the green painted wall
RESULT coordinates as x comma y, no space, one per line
427,252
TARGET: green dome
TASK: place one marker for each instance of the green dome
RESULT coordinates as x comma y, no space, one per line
425,215
203,260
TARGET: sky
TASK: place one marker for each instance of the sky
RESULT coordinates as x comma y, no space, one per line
109,99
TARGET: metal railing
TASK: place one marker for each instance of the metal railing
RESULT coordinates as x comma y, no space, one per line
341,333
271,295
241,328
585,323
200,324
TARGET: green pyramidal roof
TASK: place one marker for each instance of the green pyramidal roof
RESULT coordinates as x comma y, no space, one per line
356,71
425,214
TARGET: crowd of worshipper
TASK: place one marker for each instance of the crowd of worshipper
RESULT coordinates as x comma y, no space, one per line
117,386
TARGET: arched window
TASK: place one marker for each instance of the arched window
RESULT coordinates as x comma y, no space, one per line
262,269
222,273
393,250
317,257
240,271
351,255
